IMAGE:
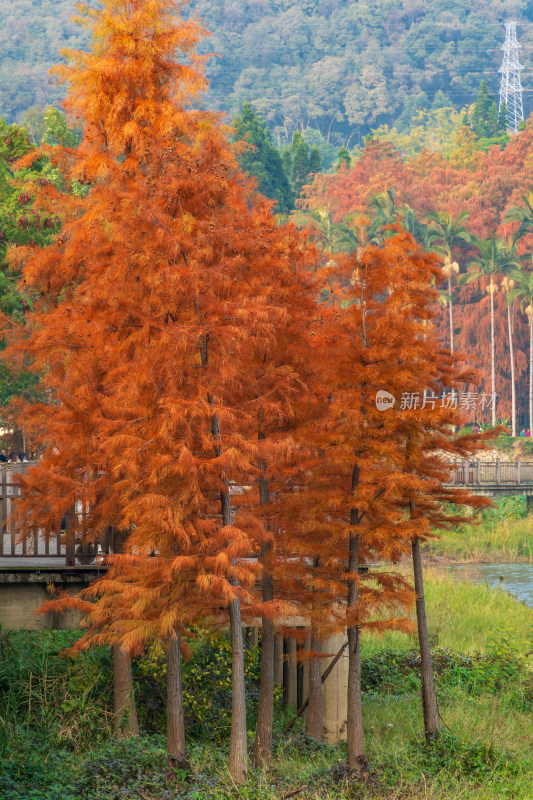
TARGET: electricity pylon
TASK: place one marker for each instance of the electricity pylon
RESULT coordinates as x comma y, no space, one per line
511,85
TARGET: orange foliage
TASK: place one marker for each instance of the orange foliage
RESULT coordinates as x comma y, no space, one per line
485,185
169,321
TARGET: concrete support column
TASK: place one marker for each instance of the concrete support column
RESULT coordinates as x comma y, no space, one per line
335,689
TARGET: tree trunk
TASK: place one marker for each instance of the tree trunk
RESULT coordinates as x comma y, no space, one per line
238,754
429,695
314,724
290,686
265,709
175,712
238,748
354,724
513,382
530,379
492,351
450,308
278,659
124,716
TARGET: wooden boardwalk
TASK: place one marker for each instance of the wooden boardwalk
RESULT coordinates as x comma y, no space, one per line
494,478
491,478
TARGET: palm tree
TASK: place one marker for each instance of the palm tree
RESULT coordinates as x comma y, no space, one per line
495,255
443,234
523,291
319,220
382,207
522,214
412,225
334,237
508,285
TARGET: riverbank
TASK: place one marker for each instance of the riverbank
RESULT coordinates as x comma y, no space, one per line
55,741
503,534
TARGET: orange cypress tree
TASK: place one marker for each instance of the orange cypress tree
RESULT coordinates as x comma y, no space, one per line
154,308
429,408
357,493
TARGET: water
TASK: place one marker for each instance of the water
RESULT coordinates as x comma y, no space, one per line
517,579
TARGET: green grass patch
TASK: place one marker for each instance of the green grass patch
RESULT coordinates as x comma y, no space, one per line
462,616
55,741
504,534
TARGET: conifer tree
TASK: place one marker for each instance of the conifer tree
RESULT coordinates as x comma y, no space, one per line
360,497
300,162
161,297
343,158
315,162
261,159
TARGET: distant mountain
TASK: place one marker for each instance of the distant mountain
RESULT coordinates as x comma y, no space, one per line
343,66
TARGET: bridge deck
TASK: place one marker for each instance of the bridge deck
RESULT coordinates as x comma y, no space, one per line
491,478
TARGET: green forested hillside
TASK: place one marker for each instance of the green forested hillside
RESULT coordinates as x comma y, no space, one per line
341,65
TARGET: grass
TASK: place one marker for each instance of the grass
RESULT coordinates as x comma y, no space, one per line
462,616
505,534
55,743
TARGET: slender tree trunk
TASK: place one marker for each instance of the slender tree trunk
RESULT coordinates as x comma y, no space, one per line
429,695
175,712
492,351
354,724
278,659
450,308
513,382
238,754
265,709
124,713
314,724
530,378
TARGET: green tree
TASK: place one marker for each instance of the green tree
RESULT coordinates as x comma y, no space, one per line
487,122
300,163
344,158
20,224
480,114
50,126
522,214
261,159
315,162
502,119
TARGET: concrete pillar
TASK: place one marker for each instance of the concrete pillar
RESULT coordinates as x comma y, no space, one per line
334,690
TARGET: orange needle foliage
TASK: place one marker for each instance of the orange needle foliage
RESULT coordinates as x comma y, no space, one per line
351,505
162,314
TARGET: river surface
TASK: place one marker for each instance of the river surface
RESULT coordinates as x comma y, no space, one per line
517,579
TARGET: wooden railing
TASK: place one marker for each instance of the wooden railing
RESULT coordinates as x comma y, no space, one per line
62,545
482,474
10,545
492,473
